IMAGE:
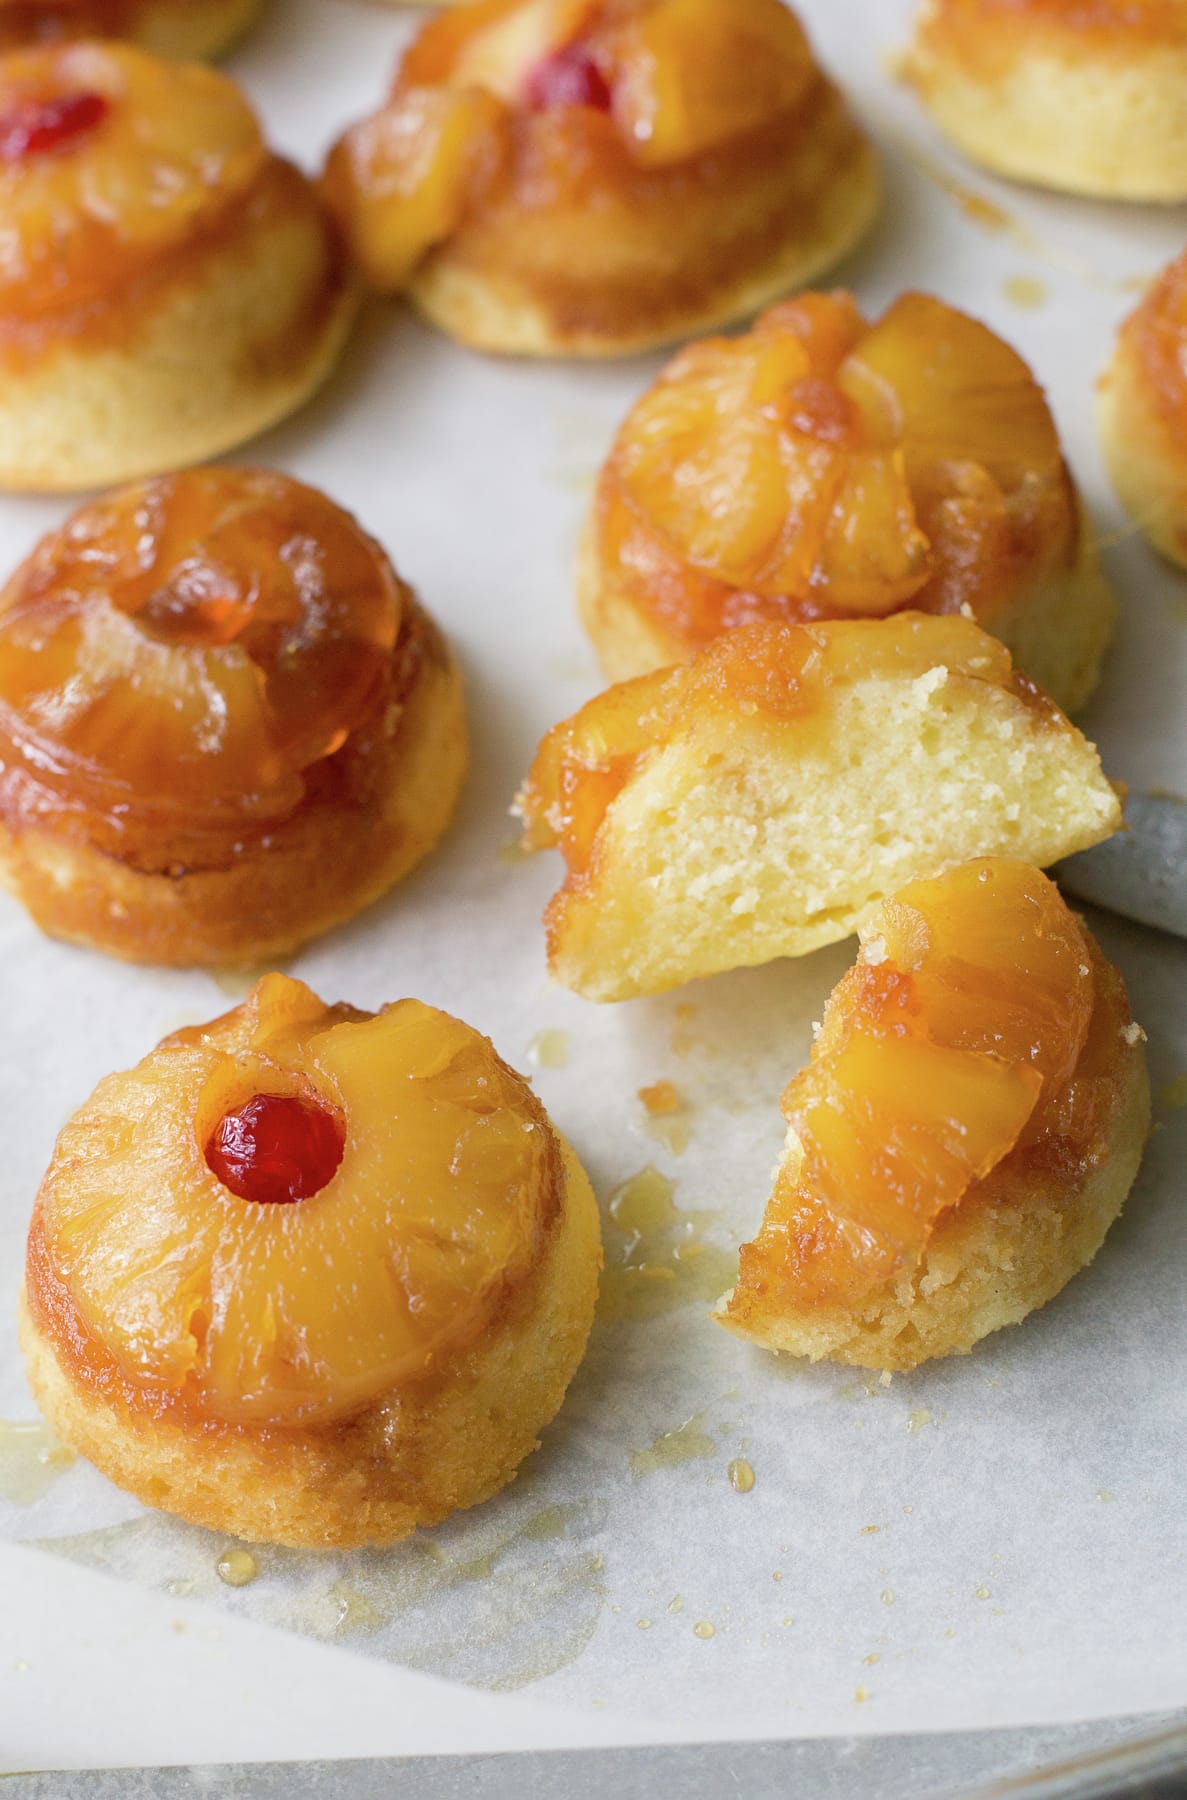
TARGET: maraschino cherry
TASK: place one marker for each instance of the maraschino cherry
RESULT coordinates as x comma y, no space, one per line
569,77
39,127
276,1149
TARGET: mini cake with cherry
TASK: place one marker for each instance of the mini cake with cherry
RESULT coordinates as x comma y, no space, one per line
593,177
168,286
310,1275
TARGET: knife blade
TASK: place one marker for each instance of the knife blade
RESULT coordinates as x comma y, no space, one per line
1142,872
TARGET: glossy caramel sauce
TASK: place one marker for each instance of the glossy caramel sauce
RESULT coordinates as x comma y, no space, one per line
160,1288
187,664
31,1460
685,1443
656,1256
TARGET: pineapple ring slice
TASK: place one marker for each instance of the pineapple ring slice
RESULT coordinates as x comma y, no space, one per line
184,653
154,1277
967,1129
166,151
821,466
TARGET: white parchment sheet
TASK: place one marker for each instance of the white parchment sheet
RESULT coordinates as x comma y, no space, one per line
997,1538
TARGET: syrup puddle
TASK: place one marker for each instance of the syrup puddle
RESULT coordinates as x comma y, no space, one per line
497,1599
30,1460
656,1259
1026,291
689,1442
549,1050
1174,1093
666,1116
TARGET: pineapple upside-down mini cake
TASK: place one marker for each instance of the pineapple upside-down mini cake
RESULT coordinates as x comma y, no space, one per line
1142,413
225,722
1088,96
821,466
308,1274
967,1130
591,177
754,803
183,29
168,286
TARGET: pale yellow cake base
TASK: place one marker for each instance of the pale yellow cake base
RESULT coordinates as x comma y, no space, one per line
1057,629
198,364
748,839
424,1452
473,294
1148,464
322,867
1100,116
1012,1244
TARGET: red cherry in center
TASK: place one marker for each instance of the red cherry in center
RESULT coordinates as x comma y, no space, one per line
277,1148
569,77
38,127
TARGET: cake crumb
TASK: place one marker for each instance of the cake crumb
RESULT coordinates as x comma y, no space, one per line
1133,1033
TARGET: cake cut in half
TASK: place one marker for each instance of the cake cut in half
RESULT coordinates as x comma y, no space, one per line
753,804
967,1130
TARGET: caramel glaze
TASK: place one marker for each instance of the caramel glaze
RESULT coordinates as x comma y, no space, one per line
1044,1172
636,560
1155,334
567,178
339,788
119,317
55,1314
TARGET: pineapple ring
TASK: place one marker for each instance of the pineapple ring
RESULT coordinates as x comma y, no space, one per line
173,28
168,287
590,177
1090,99
1142,413
967,1130
174,149
754,804
820,467
336,1370
225,723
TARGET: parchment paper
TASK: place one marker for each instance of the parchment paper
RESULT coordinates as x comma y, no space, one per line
994,1539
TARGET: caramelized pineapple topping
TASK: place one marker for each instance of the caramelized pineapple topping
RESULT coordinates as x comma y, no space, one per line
953,1041
820,466
182,658
643,85
110,159
159,1279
